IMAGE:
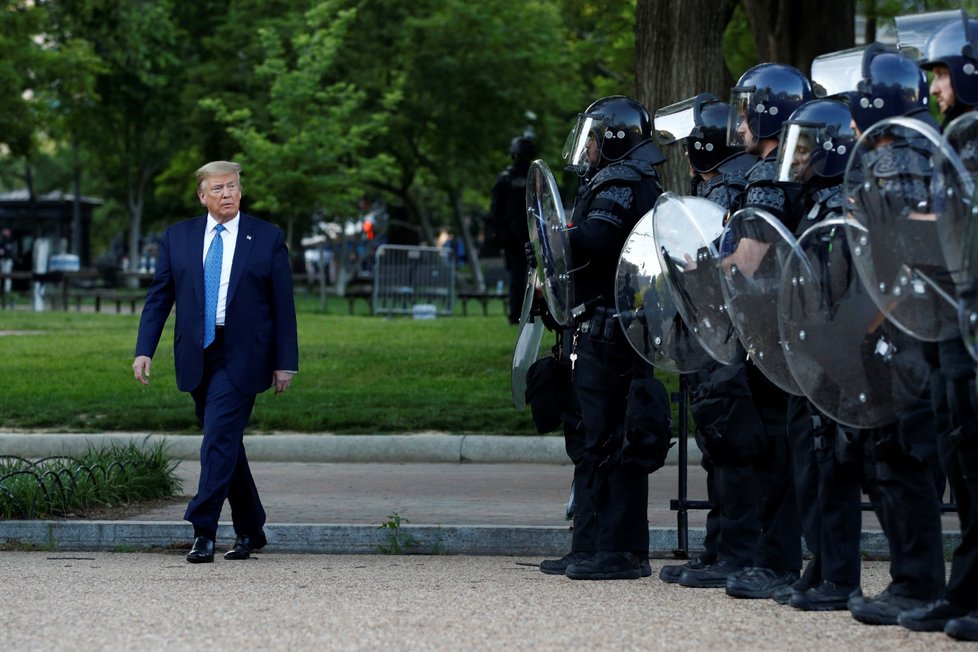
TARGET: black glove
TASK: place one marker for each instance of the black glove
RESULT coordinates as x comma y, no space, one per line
531,257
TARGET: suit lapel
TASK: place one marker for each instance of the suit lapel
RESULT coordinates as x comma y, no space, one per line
242,249
195,245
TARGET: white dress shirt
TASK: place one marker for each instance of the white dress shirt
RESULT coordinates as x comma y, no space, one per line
228,240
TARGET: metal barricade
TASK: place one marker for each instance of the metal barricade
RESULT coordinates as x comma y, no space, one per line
413,280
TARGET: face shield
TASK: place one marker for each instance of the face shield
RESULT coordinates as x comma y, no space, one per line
742,129
676,121
838,72
805,151
582,149
914,32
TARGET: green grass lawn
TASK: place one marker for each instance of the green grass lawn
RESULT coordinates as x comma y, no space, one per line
358,374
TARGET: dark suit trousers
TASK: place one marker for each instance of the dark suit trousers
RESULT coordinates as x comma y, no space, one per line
223,413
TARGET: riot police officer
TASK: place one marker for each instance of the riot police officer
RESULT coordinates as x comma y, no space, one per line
816,143
900,458
611,148
761,101
507,213
951,53
723,436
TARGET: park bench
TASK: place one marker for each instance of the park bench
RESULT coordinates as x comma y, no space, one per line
108,295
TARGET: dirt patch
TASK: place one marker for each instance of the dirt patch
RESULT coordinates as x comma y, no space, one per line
124,512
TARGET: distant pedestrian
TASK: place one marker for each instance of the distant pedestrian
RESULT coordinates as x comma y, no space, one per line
507,216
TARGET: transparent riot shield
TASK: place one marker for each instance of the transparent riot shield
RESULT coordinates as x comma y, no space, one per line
686,231
957,223
528,339
548,236
753,249
851,363
968,323
646,305
895,201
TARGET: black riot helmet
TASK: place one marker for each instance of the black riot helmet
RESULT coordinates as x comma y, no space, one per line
700,122
611,128
816,140
945,38
708,148
878,81
763,98
892,85
522,149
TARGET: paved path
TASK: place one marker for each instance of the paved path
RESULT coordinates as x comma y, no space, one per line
156,601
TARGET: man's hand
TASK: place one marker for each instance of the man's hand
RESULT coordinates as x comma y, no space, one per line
141,368
281,379
747,257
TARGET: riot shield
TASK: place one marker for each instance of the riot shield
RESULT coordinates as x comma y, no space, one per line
895,201
686,230
968,323
528,339
548,236
849,361
957,224
646,305
753,249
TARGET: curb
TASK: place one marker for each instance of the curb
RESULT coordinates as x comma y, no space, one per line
344,539
326,448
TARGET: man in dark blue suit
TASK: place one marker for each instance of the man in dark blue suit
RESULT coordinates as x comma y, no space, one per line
235,336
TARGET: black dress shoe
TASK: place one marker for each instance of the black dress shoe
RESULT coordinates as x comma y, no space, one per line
931,617
607,566
824,596
559,566
711,576
670,574
883,609
244,546
202,551
756,583
964,628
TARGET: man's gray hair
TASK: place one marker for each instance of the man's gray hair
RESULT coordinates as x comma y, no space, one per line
215,168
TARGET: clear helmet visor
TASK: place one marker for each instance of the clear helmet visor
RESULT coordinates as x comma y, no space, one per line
804,150
838,72
582,149
676,121
740,131
914,33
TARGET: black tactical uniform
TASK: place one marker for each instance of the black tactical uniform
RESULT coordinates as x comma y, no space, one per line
953,46
624,411
726,421
776,559
738,395
818,144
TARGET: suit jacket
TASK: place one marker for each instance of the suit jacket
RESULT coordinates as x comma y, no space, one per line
260,325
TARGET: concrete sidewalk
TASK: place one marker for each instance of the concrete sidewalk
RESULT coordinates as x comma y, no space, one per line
479,495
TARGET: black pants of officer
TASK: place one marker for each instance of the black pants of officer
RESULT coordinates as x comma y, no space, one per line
958,448
729,434
779,544
827,489
899,468
620,495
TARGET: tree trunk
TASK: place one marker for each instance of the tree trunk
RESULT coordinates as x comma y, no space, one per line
471,250
678,55
797,31
137,199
